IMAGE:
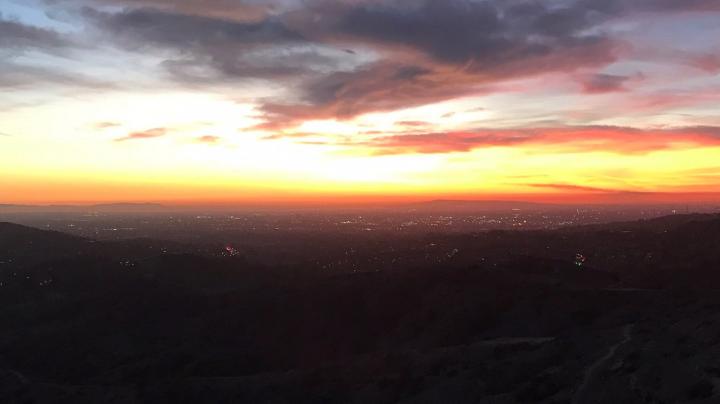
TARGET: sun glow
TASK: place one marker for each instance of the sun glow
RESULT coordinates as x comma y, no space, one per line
202,147
133,103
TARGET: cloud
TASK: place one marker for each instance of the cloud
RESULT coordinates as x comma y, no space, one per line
610,139
574,188
146,134
290,135
673,5
106,125
489,34
326,59
20,75
671,98
238,10
413,124
23,45
337,60
209,139
146,26
211,48
604,83
15,35
403,54
709,62
447,142
377,88
438,50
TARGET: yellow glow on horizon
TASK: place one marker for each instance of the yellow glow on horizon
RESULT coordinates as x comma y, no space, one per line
482,172
66,155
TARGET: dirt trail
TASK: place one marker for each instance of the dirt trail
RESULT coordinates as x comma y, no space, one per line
592,370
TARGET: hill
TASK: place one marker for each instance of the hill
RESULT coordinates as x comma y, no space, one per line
25,245
504,316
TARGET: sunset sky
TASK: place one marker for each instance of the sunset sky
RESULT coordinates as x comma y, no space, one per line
223,101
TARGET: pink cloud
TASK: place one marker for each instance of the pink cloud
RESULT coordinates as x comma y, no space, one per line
146,134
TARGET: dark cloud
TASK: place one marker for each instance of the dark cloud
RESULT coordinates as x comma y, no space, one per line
709,131
215,49
17,76
410,72
437,50
625,7
604,83
17,39
146,134
239,10
672,5
146,26
379,87
230,67
489,34
449,30
422,51
18,36
455,47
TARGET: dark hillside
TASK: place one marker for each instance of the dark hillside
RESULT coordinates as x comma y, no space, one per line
496,317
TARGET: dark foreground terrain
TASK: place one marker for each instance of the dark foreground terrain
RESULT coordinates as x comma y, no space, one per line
495,317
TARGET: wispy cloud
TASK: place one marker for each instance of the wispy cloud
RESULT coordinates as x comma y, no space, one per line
107,125
209,139
574,188
21,75
18,36
604,83
146,134
611,139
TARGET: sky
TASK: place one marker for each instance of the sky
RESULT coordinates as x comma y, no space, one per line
297,101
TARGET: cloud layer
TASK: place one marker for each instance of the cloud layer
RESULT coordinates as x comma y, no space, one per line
622,140
374,77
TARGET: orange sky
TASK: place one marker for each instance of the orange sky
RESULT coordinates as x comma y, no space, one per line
358,102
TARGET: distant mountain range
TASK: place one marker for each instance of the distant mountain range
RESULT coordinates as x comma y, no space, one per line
431,206
106,207
455,205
